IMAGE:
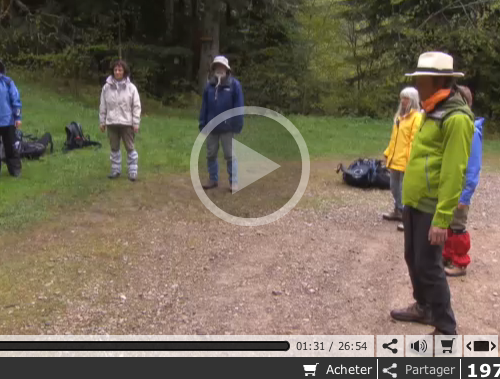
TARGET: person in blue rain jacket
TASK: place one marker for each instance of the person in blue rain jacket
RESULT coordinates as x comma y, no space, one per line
10,120
223,92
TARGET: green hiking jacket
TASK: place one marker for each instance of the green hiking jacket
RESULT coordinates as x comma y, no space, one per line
435,173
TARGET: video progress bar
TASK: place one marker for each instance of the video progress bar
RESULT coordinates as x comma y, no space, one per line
144,346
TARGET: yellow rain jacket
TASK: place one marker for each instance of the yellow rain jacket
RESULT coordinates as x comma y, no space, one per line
403,132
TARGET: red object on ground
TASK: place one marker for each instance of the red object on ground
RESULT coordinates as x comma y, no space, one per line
457,248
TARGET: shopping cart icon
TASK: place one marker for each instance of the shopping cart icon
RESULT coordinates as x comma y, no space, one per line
310,369
447,345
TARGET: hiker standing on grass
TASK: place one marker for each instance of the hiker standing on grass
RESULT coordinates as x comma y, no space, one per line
457,246
406,123
222,93
10,120
432,186
120,113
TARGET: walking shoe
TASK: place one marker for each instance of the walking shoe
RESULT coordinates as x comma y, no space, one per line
210,184
453,270
395,215
401,228
233,188
114,175
132,177
414,313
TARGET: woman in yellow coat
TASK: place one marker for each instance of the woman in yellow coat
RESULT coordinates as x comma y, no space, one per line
406,123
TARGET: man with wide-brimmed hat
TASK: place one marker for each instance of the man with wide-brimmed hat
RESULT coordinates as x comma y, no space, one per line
432,187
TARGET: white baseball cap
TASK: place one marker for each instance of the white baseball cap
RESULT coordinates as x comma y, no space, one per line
435,63
221,60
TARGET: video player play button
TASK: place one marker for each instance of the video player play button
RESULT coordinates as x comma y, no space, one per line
269,193
252,166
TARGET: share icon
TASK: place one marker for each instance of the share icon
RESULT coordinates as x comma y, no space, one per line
388,370
388,346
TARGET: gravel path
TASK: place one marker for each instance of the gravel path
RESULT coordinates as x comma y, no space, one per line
131,266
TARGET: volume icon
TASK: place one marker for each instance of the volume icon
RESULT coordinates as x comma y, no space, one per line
419,346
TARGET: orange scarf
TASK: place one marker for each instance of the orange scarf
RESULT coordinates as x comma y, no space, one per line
432,101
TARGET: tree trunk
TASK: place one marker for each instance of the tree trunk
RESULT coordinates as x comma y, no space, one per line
209,39
169,20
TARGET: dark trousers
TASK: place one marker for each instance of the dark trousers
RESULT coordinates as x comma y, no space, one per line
8,135
425,265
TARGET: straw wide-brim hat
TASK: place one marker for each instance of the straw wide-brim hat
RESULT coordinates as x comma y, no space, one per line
435,63
221,60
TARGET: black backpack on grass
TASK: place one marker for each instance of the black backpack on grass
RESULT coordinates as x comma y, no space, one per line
33,148
75,138
30,147
366,173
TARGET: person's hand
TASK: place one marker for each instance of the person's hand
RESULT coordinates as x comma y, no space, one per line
18,124
437,236
136,129
102,127
461,206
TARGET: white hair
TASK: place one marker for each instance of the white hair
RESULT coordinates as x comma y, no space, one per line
410,93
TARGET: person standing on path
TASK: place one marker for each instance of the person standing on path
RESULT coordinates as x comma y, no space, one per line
120,113
10,120
223,92
456,250
406,123
432,186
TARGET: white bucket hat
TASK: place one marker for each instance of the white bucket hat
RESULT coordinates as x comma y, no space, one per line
435,63
221,60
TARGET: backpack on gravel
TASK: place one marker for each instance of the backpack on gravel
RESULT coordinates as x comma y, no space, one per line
75,138
366,173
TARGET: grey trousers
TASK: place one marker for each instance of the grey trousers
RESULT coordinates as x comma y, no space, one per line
459,221
226,140
126,134
397,188
425,266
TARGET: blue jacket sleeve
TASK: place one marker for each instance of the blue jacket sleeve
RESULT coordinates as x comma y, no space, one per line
237,122
203,111
473,168
15,101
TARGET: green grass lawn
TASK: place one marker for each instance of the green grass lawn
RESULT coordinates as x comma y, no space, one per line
62,182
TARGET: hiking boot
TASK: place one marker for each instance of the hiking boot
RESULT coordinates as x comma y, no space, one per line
114,175
401,228
414,313
452,270
395,215
210,184
233,187
132,177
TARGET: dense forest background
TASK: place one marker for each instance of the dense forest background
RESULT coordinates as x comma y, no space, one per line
334,57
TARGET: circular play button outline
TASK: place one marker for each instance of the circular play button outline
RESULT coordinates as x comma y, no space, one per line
304,178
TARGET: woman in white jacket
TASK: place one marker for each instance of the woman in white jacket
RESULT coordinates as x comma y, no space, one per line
120,113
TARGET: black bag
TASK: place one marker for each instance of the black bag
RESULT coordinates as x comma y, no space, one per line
30,147
366,173
35,147
75,138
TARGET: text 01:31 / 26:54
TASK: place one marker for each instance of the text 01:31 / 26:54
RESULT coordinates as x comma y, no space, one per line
320,346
